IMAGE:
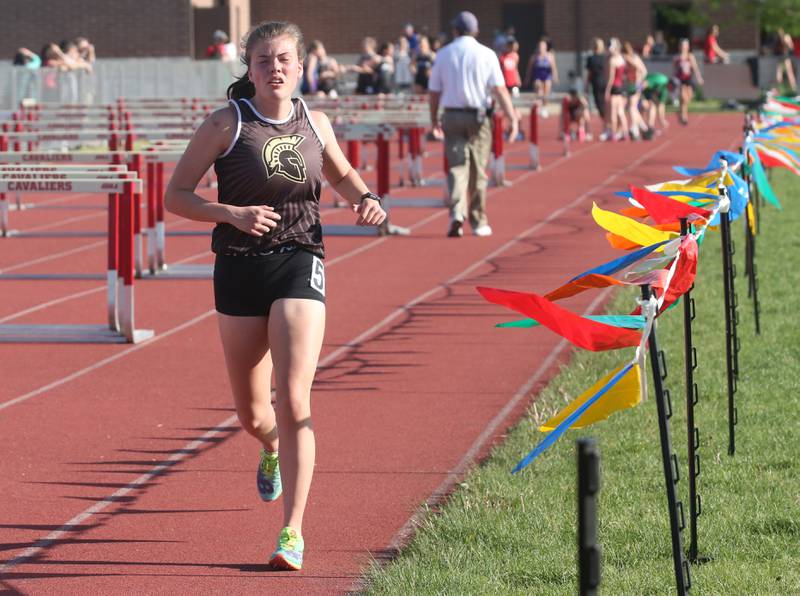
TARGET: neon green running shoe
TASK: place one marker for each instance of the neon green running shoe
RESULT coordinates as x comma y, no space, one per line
289,554
268,477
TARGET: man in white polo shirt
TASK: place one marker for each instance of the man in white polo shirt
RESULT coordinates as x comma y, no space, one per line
465,77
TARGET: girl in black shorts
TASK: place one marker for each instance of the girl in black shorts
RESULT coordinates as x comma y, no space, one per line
270,154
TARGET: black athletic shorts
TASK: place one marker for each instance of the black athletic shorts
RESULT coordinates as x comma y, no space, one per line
246,286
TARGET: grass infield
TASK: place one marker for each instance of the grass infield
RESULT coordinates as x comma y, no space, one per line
504,534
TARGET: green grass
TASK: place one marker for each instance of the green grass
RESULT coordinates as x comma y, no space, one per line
504,534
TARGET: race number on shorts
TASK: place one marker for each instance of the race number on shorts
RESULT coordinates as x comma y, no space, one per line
317,275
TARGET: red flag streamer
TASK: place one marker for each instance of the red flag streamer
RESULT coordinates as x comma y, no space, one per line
685,272
578,330
663,209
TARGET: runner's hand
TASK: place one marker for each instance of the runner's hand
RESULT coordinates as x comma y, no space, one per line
370,213
255,220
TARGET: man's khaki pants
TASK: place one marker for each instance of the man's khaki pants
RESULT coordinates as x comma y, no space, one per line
467,144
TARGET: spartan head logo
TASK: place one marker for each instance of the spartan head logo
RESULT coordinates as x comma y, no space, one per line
281,157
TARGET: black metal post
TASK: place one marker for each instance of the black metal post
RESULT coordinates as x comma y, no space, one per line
669,460
730,340
750,239
588,487
690,359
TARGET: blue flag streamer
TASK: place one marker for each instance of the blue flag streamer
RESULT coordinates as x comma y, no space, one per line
556,433
733,159
621,262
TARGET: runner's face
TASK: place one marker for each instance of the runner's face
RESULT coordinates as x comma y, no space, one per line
275,67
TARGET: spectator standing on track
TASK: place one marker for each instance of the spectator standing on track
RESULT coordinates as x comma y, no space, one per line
423,62
384,70
464,78
270,154
647,48
403,76
321,72
711,50
509,64
784,46
365,67
687,72
659,47
596,78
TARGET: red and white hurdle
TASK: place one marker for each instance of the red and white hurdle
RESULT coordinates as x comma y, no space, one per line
119,275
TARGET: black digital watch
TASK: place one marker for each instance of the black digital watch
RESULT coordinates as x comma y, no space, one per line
370,195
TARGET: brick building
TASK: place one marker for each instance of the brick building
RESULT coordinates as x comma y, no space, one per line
132,28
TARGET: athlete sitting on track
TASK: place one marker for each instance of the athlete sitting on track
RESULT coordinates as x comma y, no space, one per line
270,153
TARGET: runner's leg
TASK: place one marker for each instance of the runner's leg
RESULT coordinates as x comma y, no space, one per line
245,342
296,329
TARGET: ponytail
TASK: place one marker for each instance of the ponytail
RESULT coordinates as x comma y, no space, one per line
241,88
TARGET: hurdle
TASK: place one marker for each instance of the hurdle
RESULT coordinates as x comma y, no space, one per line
120,327
64,169
497,161
112,161
534,138
565,125
48,181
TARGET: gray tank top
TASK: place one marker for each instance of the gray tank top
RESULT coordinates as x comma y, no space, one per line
276,163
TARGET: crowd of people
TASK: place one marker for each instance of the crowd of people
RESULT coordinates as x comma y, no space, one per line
401,66
68,55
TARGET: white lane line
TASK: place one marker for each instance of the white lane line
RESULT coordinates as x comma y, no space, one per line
48,540
54,256
62,222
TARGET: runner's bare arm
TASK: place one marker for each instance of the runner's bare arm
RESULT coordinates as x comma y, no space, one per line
211,140
552,59
696,70
343,178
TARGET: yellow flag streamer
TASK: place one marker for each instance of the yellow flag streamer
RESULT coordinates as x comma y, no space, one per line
625,394
638,233
751,218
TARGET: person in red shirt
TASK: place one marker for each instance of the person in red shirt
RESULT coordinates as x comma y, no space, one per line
713,53
509,64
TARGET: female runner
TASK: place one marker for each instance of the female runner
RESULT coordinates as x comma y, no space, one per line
270,154
615,100
542,69
686,67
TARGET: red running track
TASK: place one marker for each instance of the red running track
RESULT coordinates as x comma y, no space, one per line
123,469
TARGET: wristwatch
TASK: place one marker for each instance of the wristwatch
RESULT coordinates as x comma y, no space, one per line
370,195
